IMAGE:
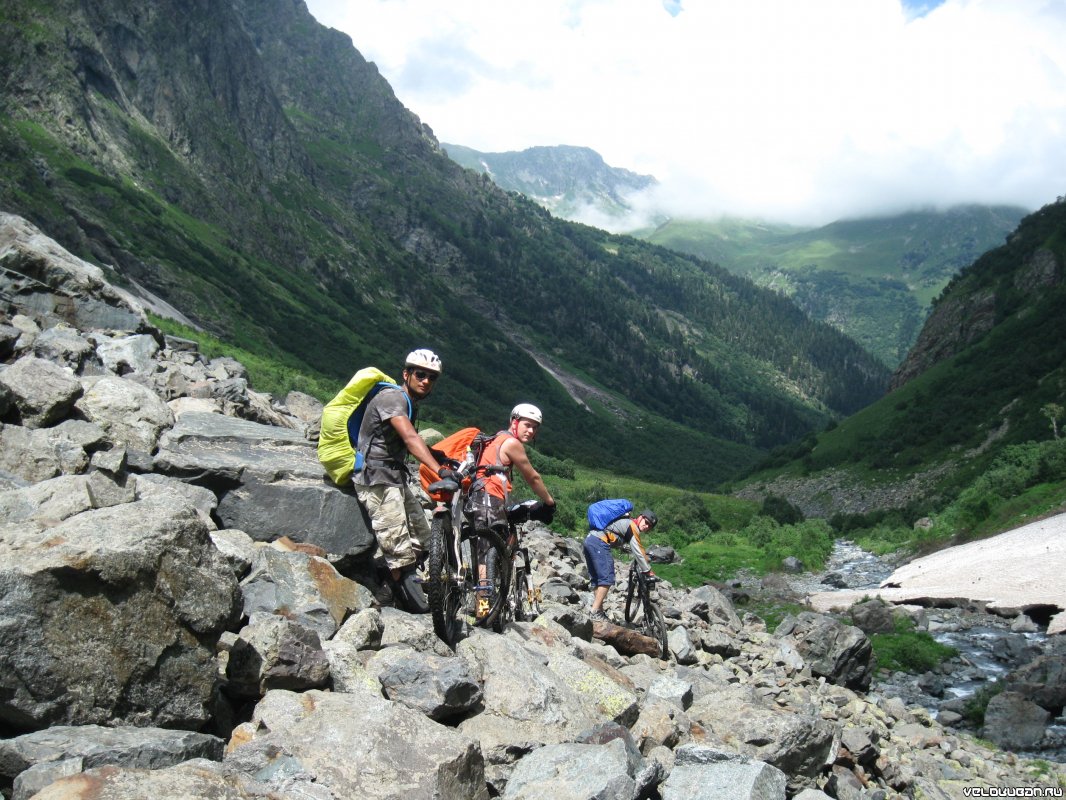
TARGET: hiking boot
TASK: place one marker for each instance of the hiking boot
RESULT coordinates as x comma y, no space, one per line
415,598
483,606
599,616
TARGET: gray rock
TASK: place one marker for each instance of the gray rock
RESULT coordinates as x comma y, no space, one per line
840,653
349,651
269,479
661,554
1014,722
96,746
36,454
360,745
48,283
1042,680
797,744
873,616
64,497
711,605
672,689
304,588
9,336
726,780
203,500
573,772
32,780
439,687
131,414
681,646
304,510
106,618
128,354
524,699
192,779
41,391
64,346
237,547
275,653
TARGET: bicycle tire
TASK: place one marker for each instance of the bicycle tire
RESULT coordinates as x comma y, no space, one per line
632,609
528,602
492,552
655,626
446,595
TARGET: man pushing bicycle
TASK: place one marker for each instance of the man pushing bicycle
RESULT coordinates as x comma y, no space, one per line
605,534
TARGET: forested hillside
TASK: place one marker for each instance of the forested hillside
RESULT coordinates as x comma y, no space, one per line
872,278
988,371
249,167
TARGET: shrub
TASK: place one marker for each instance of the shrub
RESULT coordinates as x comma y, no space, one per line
781,510
977,704
909,650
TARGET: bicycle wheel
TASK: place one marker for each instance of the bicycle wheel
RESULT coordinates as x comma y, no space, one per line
632,599
655,626
492,574
526,599
445,589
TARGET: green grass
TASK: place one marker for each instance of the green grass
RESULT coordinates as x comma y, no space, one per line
908,650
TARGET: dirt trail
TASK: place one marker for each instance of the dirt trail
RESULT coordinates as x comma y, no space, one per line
1018,569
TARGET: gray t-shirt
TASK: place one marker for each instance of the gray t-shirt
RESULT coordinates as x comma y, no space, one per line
622,534
383,448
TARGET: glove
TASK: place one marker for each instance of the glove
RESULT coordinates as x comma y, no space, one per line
542,512
449,474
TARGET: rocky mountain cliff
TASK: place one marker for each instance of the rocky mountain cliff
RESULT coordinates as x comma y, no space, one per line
573,183
189,611
1005,284
250,169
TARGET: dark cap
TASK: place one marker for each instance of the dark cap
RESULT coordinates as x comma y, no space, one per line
649,515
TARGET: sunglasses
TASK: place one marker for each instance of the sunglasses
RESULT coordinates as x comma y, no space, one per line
425,376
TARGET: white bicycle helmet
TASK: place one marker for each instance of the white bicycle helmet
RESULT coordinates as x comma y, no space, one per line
527,411
426,359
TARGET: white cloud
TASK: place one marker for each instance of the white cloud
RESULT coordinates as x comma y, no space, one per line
803,112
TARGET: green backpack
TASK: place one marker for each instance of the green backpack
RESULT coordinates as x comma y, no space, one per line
341,419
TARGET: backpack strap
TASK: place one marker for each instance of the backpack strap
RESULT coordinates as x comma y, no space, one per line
361,460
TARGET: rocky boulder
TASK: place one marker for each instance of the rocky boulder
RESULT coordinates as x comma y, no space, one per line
107,617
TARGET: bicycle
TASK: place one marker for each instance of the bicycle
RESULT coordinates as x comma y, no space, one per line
523,599
466,584
642,614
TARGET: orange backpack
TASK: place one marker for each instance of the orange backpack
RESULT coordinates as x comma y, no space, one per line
455,447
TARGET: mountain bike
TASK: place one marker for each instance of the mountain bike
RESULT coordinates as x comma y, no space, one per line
523,599
468,565
642,614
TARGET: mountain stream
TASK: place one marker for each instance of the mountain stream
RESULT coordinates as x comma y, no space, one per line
988,645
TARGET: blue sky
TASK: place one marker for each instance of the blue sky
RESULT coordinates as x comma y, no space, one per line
790,111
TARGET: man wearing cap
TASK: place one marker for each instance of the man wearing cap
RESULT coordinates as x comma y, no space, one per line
387,434
600,562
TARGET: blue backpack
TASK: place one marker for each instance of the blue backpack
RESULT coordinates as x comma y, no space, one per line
604,512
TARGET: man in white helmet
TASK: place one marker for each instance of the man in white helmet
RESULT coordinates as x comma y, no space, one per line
508,449
387,434
490,494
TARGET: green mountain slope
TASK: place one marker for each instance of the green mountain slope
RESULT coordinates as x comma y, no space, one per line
248,166
988,363
872,278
